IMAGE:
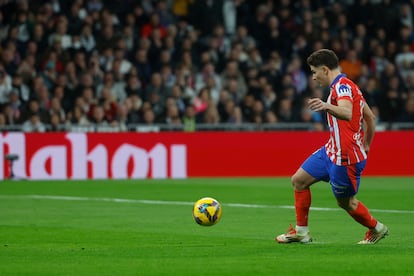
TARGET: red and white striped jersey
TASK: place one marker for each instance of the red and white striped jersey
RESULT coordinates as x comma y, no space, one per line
346,141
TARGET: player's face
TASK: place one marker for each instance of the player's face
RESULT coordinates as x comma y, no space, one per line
320,74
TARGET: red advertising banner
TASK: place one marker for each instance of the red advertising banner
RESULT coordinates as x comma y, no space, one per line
183,155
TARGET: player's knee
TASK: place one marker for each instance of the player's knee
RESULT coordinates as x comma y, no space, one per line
298,183
343,205
348,204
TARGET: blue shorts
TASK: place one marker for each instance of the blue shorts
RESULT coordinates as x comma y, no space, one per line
344,180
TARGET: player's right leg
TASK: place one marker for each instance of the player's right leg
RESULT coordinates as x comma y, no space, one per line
301,182
311,171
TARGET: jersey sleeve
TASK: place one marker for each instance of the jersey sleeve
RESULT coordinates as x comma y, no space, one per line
344,92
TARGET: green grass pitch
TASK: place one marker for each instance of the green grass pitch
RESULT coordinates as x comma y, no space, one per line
145,227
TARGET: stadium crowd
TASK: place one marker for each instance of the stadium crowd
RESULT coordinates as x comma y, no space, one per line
87,64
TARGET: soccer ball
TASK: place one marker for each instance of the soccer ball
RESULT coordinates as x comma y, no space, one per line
207,211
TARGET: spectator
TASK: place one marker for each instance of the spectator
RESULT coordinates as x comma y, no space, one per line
223,42
176,94
372,95
230,20
275,38
4,28
33,107
235,115
77,117
3,122
98,118
254,59
378,61
14,105
299,79
133,86
153,24
38,36
256,48
157,104
79,58
106,38
243,37
391,105
156,87
271,117
307,116
21,89
247,107
351,65
202,79
144,68
33,124
122,117
172,114
258,27
73,81
133,105
60,35
55,124
404,60
406,15
148,122
268,97
44,99
10,58
124,66
189,120
259,112
76,15
285,110
205,14
407,115
109,104
201,103
232,73
168,77
49,74
211,115
180,8
115,87
27,68
129,38
86,101
56,109
5,85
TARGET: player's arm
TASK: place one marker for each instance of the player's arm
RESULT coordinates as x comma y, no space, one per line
342,111
369,126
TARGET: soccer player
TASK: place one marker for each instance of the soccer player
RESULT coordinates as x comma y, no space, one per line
342,159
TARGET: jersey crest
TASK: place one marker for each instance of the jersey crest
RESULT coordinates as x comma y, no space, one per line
344,90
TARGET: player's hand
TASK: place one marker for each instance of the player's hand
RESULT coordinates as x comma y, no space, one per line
316,104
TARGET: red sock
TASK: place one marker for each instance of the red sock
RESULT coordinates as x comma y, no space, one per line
361,214
302,205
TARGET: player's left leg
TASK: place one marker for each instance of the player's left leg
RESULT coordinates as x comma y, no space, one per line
360,213
345,184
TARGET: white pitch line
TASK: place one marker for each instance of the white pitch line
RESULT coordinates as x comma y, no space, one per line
166,202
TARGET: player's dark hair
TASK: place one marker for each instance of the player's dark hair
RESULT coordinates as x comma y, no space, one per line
323,57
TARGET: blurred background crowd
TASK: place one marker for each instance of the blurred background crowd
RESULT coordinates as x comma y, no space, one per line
108,65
